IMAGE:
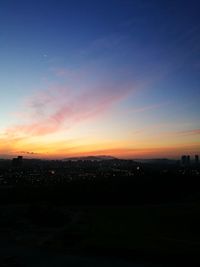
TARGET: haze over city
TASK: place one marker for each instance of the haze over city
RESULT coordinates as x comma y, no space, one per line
118,78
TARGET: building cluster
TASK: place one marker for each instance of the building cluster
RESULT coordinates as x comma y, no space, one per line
21,171
186,160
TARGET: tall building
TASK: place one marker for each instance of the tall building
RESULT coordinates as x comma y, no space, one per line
188,160
185,160
17,162
197,159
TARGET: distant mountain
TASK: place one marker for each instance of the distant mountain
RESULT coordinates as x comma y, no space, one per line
91,158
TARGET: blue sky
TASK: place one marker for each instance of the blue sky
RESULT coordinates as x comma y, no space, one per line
75,65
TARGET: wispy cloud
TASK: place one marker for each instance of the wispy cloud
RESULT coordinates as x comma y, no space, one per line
28,152
57,108
147,108
189,132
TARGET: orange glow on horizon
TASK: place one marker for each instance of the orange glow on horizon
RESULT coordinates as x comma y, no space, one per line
60,151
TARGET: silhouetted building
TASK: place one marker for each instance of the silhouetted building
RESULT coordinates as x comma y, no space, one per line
185,160
17,162
188,160
197,159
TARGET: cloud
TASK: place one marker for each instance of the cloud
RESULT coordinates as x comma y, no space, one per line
189,132
28,153
147,108
61,107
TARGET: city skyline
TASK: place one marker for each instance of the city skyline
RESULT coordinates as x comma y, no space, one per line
118,78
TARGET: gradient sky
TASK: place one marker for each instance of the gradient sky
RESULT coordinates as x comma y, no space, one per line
113,77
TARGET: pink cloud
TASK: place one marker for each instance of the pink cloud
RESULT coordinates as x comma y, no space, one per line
59,107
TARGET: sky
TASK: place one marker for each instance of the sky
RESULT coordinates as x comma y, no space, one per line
99,77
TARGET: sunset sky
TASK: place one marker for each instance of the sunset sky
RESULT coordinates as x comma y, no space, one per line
112,77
